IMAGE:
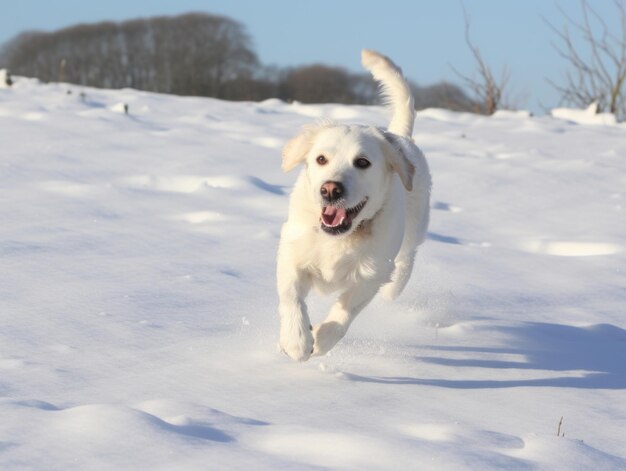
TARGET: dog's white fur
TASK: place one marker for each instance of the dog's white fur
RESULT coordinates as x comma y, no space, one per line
378,250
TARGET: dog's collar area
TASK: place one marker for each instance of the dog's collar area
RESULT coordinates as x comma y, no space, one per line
338,220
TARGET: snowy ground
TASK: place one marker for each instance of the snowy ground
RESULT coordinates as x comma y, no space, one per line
138,322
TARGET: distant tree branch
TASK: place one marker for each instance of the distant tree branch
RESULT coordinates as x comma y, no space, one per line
597,74
486,88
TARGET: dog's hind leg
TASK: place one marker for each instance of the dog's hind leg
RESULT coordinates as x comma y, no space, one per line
417,215
342,313
401,274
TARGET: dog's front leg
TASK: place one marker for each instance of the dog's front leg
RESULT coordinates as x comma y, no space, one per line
296,339
341,315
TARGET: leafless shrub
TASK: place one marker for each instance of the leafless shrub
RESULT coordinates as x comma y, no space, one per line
443,95
324,84
597,70
488,90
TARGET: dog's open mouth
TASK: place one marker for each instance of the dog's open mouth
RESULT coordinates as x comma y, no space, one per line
336,220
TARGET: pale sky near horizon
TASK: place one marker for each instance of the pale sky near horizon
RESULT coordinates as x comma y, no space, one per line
424,37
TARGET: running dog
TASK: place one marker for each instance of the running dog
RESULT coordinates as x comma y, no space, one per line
357,214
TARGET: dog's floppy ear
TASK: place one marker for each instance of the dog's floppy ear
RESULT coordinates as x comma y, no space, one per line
296,149
396,150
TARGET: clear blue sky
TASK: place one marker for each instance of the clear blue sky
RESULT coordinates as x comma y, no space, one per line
424,36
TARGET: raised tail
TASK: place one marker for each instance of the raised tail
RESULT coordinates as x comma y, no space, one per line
395,90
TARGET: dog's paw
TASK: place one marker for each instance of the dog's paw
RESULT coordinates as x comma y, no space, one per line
400,277
390,291
326,335
296,340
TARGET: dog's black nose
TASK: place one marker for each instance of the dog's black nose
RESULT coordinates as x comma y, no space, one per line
332,191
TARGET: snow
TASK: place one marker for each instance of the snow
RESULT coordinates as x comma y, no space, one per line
589,115
138,322
512,114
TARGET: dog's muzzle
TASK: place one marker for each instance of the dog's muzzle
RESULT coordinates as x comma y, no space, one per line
337,219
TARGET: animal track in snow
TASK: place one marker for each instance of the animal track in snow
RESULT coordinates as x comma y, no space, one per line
269,142
430,432
455,240
68,188
11,363
455,433
441,206
192,183
325,449
564,248
103,421
33,116
149,419
199,217
181,183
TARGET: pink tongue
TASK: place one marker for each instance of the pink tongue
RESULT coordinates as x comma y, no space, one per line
332,216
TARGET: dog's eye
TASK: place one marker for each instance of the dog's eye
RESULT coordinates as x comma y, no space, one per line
321,160
362,162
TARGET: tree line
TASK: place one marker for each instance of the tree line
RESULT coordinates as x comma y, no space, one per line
210,55
193,54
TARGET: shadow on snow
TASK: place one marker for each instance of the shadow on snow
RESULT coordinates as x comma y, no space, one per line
596,353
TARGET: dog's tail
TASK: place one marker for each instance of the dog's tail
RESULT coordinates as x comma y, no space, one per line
395,90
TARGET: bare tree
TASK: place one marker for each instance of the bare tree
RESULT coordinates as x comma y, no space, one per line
443,95
597,71
192,54
488,90
323,84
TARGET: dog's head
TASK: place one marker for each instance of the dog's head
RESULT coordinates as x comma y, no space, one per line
349,171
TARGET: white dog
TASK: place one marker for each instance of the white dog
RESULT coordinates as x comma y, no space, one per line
357,214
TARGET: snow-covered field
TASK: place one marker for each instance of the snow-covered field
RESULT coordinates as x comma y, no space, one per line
138,322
